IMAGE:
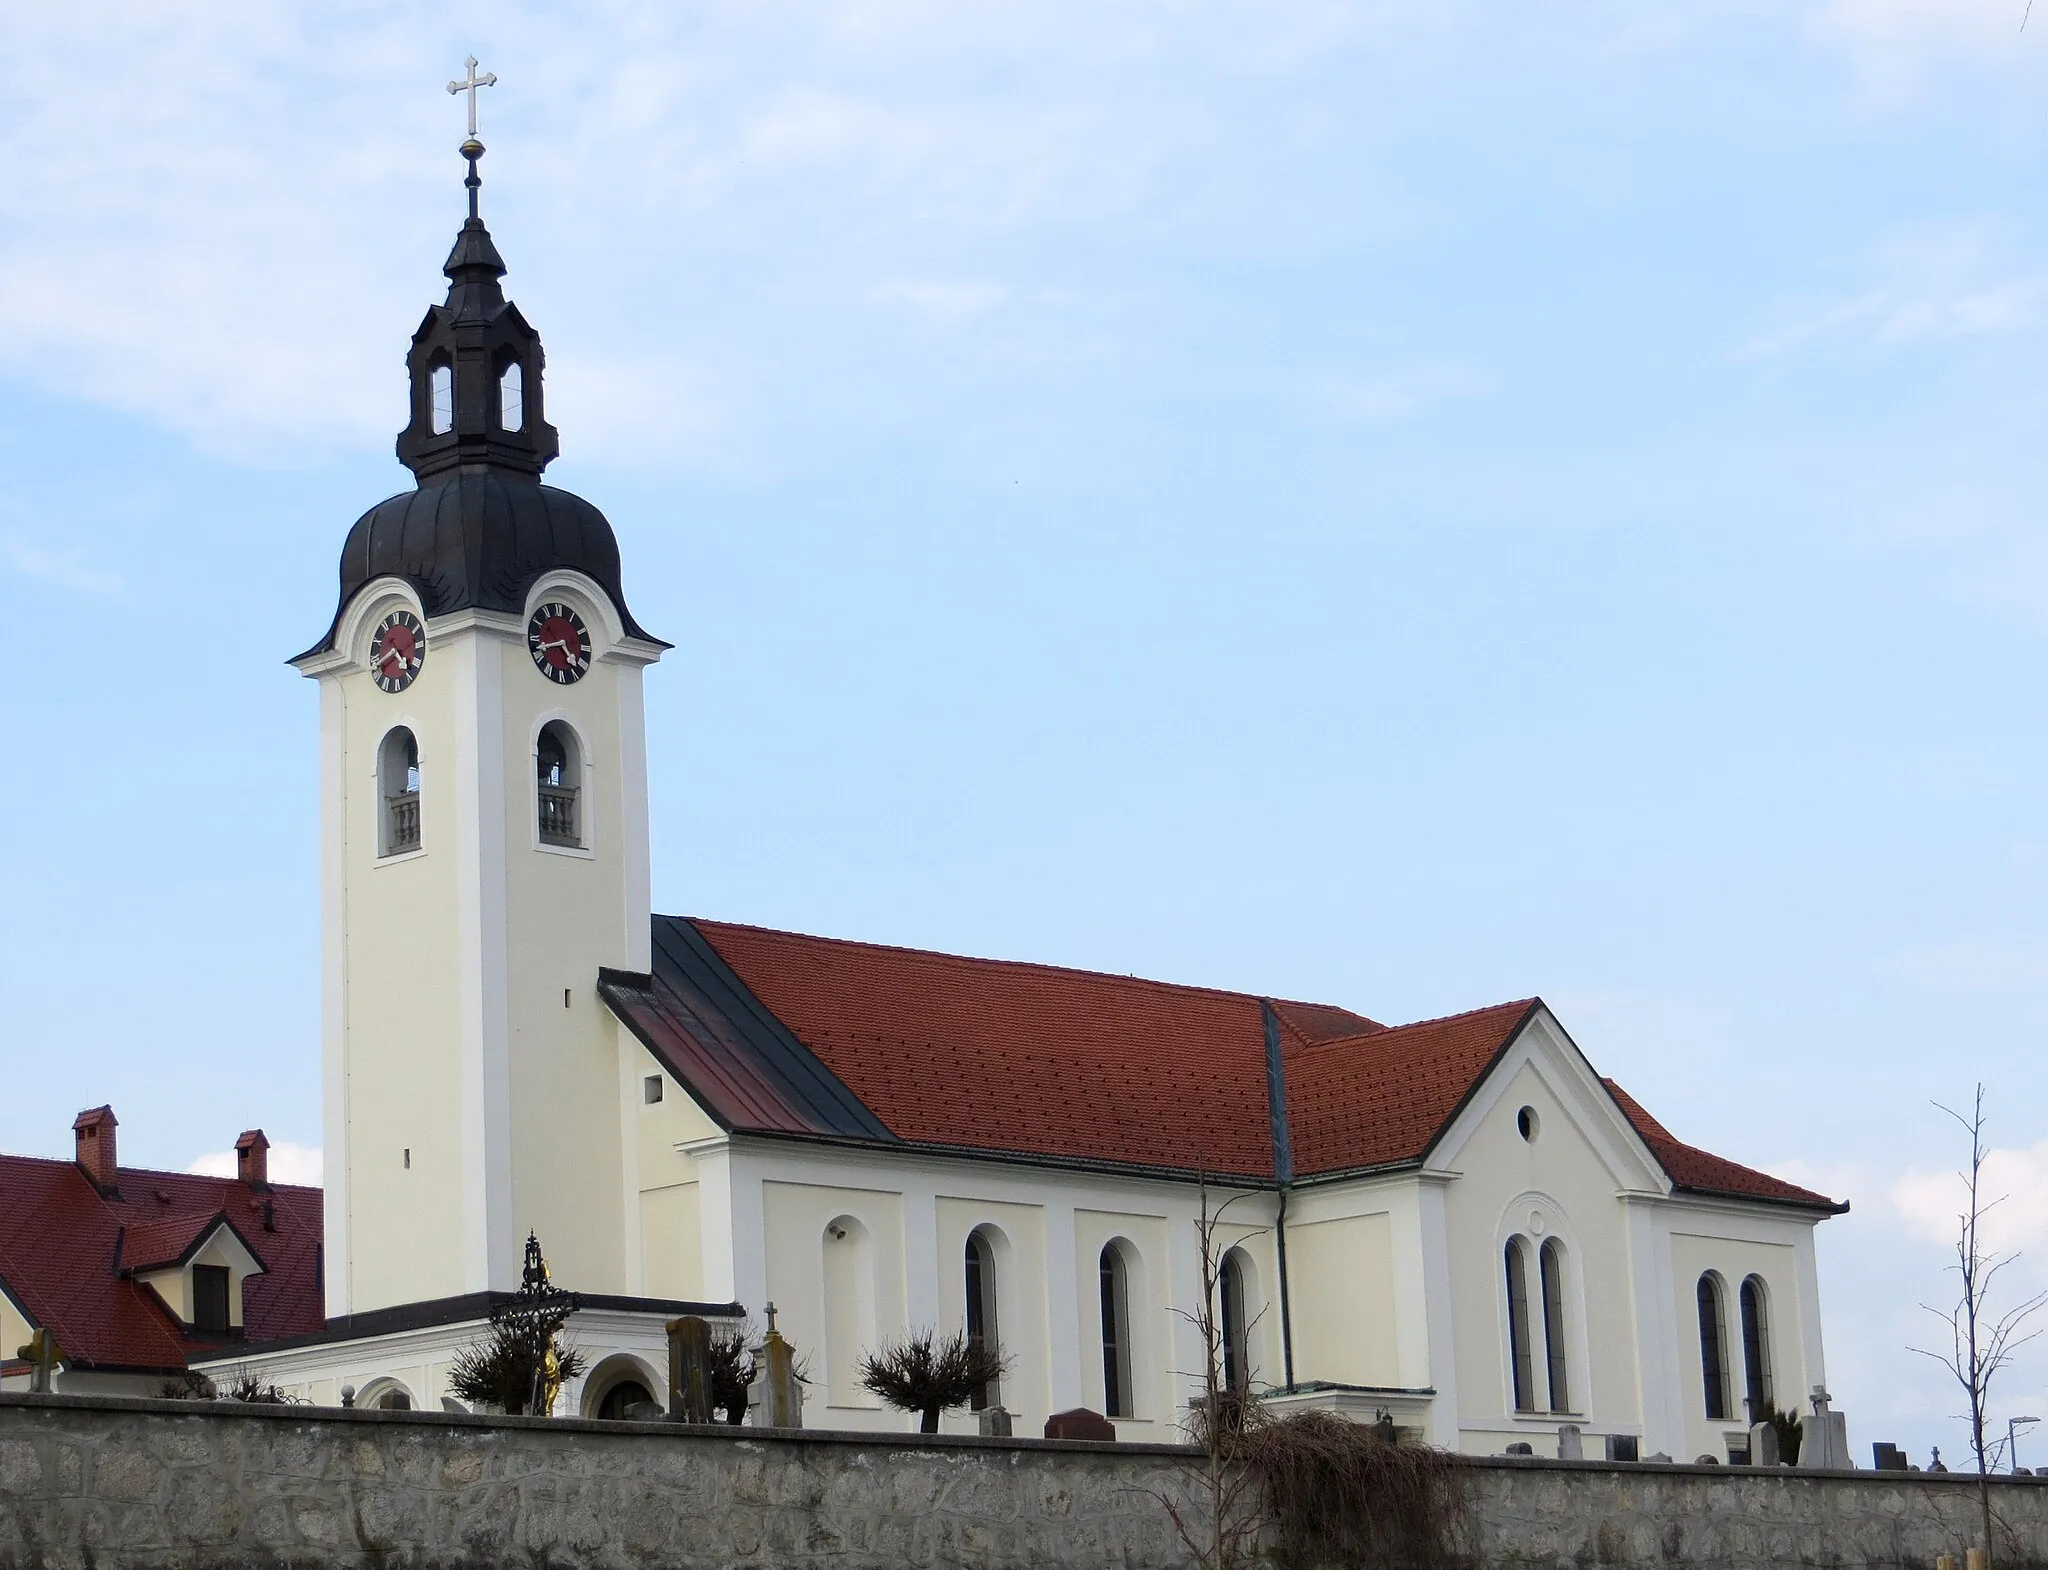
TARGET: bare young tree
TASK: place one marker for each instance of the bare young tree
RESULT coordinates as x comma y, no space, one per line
1224,1533
1982,1339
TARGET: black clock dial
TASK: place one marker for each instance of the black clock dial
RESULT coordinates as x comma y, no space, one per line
559,643
398,651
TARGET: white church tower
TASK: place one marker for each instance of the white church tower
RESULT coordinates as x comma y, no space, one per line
484,834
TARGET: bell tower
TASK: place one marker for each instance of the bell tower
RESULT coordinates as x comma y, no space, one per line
483,835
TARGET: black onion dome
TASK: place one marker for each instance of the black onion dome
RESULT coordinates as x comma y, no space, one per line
478,540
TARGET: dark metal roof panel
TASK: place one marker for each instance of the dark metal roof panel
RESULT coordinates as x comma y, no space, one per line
711,1032
479,540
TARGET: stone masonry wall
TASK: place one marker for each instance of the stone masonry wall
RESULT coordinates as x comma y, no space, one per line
110,1484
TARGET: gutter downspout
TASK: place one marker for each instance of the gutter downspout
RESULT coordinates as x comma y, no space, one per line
1283,1170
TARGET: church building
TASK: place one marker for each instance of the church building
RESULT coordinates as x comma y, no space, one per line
1457,1223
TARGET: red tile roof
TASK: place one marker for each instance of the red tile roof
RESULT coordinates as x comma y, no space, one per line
1046,1061
1384,1097
996,1055
1703,1172
59,1239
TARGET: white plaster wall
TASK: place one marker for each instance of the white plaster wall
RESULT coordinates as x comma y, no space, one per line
869,1306
477,1071
919,1209
1018,1235
1703,1242
1502,1181
399,941
1341,1278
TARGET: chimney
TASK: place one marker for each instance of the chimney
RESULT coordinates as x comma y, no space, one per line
93,1130
252,1160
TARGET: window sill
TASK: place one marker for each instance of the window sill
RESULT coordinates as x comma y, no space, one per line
396,857
578,852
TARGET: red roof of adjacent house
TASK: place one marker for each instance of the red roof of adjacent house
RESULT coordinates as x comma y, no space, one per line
1045,1061
63,1246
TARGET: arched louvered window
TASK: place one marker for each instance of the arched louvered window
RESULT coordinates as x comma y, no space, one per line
1551,1263
1115,1281
1756,1348
1713,1347
982,1329
512,397
1232,1322
441,399
1522,1366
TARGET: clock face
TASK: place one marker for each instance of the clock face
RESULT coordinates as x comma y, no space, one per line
559,643
398,651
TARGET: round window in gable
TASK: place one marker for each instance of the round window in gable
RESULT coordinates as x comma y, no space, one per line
1527,1123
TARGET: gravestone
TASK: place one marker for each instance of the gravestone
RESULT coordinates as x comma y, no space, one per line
782,1392
1521,1447
995,1422
1622,1447
1887,1457
1763,1445
1824,1436
1079,1423
689,1369
1571,1442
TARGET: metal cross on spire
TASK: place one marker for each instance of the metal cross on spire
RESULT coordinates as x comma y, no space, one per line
469,85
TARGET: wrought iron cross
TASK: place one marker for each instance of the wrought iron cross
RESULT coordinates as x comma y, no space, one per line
469,85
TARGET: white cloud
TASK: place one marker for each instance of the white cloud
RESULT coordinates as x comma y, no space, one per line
1930,1202
289,1163
1897,46
1936,285
68,569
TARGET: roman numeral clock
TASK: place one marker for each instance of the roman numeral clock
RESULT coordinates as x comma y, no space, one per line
559,643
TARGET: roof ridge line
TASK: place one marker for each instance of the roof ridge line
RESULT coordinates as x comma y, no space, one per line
1121,977
161,1172
1417,1024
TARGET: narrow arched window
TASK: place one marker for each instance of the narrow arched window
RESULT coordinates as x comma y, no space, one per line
1713,1347
981,1312
512,398
1116,1332
441,399
398,782
1522,1366
1550,1261
1756,1349
558,767
1234,1329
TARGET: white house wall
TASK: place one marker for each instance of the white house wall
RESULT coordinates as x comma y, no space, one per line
918,1210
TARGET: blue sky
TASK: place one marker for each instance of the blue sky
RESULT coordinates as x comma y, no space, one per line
1408,505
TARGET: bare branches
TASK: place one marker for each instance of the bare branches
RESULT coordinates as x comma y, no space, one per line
928,1376
1981,1340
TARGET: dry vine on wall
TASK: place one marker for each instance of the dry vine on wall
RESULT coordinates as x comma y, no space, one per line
1307,1489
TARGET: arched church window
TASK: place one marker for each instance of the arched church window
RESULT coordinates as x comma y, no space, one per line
1233,1326
1115,1278
1756,1348
1550,1261
441,399
559,766
1713,1346
398,778
1521,1363
982,1330
512,397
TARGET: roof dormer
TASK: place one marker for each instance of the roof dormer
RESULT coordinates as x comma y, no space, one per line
196,1264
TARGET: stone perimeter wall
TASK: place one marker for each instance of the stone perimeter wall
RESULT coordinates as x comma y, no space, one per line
108,1483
